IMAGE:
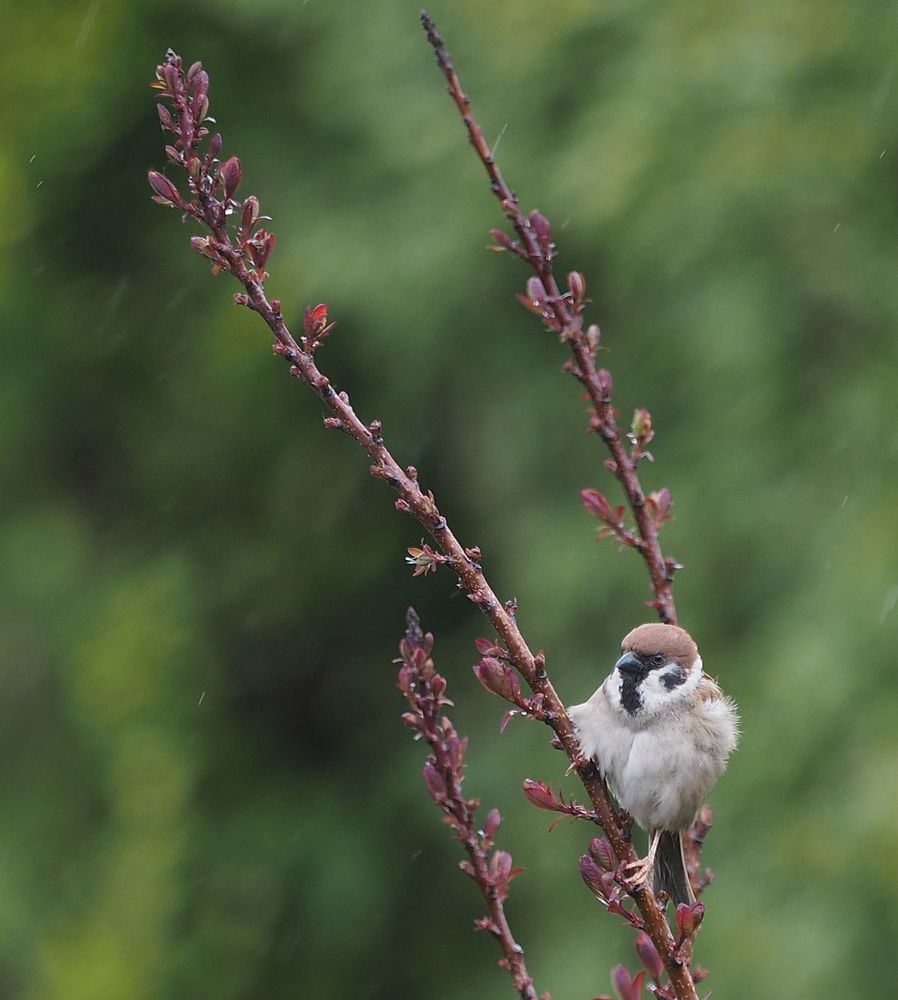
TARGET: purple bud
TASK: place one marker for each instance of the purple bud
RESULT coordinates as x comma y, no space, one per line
250,212
622,981
165,117
648,955
685,919
214,147
491,824
535,290
592,876
200,107
596,503
601,850
542,227
541,795
498,678
500,865
200,82
577,285
231,175
165,192
407,674
435,783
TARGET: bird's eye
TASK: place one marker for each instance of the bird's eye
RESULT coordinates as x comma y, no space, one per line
658,659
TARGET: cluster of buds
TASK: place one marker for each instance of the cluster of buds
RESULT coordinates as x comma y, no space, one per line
657,507
212,183
567,323
613,518
315,328
425,691
425,559
605,879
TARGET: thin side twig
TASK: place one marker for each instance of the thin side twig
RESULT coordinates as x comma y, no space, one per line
491,870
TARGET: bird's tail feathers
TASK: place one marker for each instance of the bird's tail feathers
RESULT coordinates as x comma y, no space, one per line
669,871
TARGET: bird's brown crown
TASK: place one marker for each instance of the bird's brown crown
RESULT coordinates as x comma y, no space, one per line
675,642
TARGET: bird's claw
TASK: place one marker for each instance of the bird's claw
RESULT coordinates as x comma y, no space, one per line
634,875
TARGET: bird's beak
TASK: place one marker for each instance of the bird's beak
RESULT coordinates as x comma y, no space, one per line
630,665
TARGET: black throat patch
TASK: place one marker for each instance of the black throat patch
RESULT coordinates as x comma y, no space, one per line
630,696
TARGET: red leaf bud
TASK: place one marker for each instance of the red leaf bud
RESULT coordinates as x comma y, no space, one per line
165,118
406,678
542,227
592,876
214,147
498,678
165,192
685,919
541,795
593,337
596,503
491,824
624,983
648,955
500,865
250,212
601,850
642,425
577,285
435,783
231,175
536,291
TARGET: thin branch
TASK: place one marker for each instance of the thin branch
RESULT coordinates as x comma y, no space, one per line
237,246
562,313
491,870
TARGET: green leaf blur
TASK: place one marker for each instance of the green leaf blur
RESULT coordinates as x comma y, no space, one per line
206,788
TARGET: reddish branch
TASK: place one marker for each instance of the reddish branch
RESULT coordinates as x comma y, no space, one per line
236,243
491,870
562,313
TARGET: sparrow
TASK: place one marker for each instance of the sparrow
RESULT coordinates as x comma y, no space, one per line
661,732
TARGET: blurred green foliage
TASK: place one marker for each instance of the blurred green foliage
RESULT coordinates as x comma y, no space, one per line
206,788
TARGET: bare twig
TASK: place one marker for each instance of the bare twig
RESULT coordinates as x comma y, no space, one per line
490,869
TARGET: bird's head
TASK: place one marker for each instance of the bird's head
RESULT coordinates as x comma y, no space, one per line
658,667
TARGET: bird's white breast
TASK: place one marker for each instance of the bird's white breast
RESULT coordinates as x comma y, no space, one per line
660,768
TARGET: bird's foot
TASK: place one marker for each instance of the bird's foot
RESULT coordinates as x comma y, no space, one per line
635,874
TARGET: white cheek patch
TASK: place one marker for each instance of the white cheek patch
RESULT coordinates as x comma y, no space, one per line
656,692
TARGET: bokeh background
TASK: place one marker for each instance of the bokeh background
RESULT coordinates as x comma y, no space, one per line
206,788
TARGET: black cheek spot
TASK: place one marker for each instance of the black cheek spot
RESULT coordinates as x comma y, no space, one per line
673,678
630,697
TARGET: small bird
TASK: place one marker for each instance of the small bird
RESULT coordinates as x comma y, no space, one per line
661,732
